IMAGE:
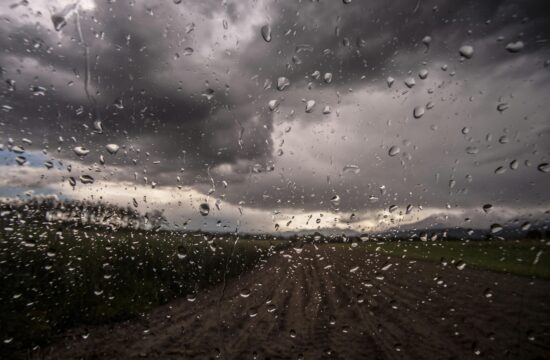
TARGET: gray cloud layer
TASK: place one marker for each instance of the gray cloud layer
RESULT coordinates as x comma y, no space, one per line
150,95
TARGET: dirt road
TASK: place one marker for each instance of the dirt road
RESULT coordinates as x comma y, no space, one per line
336,302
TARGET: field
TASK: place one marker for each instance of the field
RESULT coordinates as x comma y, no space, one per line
337,302
68,290
519,257
54,278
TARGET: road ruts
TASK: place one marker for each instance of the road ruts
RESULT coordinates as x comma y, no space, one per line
315,305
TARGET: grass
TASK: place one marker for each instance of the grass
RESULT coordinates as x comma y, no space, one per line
512,257
55,277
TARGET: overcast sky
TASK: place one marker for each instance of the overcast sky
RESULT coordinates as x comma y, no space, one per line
189,92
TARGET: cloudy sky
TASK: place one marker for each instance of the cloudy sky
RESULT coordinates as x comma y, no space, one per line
429,108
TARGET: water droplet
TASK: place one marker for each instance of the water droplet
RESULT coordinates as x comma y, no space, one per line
181,252
98,126
208,94
293,333
472,150
38,90
81,151
282,83
112,148
310,104
488,293
335,199
390,81
496,228
266,33
544,167
188,51
326,110
409,82
502,106
191,297
460,265
487,208
86,179
327,78
346,1
418,112
466,51
244,293
204,209
21,160
423,74
58,22
515,47
427,40
352,169
273,104
394,150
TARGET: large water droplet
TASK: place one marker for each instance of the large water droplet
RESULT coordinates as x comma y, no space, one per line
266,32
423,74
310,104
204,209
81,151
418,112
21,160
273,104
112,148
466,51
282,83
208,94
460,265
394,150
515,47
350,168
390,81
502,106
544,167
409,82
86,179
244,293
496,228
181,252
427,40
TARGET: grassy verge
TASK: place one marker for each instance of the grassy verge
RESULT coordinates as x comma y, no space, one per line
55,277
513,257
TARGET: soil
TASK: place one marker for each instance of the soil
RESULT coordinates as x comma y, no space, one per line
337,302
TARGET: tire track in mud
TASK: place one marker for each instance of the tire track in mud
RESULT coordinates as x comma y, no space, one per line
310,305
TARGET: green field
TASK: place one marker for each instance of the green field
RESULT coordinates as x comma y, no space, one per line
57,277
514,257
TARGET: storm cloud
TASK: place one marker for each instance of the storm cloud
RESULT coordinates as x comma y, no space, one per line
185,90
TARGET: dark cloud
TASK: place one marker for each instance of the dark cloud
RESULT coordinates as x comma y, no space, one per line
176,114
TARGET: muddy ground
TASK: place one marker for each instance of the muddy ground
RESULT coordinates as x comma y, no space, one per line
337,302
